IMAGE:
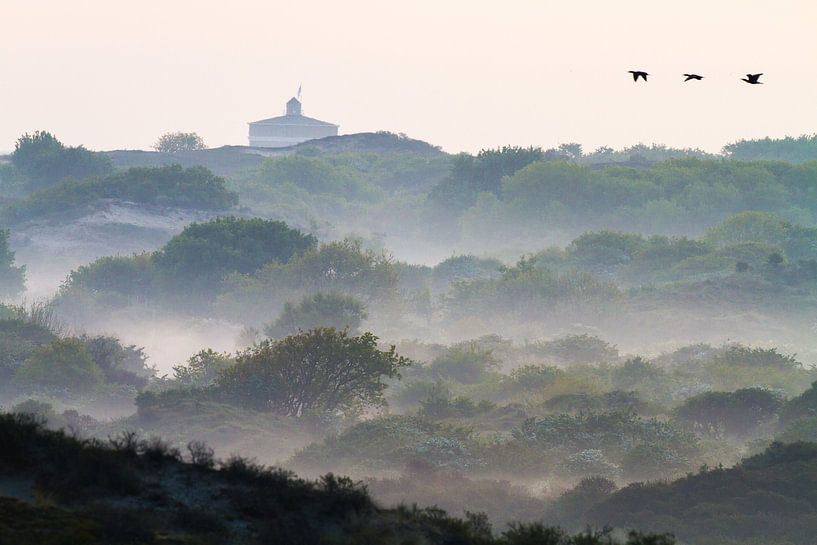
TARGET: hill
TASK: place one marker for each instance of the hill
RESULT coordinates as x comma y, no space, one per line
55,489
768,498
230,160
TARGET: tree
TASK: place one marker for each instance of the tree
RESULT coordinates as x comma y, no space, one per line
732,413
12,279
466,363
194,262
65,363
319,371
471,174
202,369
174,142
319,310
44,160
748,227
119,364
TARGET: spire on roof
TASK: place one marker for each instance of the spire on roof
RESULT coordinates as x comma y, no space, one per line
294,106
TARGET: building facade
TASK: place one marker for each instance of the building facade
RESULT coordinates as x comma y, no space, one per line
290,129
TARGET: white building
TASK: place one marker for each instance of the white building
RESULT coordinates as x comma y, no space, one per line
290,129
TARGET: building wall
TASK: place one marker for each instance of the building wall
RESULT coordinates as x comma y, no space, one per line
280,135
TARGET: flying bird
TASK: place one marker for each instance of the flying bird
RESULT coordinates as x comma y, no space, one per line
693,76
637,74
753,79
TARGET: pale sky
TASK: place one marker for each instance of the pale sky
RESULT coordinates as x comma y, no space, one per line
465,75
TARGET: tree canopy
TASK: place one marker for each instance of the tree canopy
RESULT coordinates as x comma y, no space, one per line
45,160
318,371
174,142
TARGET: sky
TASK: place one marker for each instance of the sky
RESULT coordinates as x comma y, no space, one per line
464,75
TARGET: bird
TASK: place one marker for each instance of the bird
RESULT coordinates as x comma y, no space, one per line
753,79
638,74
693,76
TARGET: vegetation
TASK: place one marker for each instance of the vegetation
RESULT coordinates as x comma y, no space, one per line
123,475
792,150
63,363
189,269
612,325
44,160
174,142
12,278
332,310
322,371
194,187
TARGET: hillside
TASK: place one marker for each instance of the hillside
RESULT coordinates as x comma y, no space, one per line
230,160
768,498
56,490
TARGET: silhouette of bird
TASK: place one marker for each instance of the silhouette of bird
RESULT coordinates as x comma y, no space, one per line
693,76
753,79
638,74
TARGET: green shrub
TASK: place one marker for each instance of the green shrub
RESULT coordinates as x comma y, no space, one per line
194,187
12,278
63,364
202,369
335,310
45,160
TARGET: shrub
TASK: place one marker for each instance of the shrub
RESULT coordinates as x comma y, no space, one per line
174,142
318,371
335,310
734,413
12,278
194,262
582,348
45,160
466,363
194,187
202,369
64,364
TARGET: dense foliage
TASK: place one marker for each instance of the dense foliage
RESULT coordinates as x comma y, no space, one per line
187,271
327,310
789,149
12,278
174,142
315,372
193,263
44,160
194,187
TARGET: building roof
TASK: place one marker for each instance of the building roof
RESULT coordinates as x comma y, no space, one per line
297,120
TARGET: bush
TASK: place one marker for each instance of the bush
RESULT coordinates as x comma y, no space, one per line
194,187
466,363
18,341
335,310
577,349
63,364
45,160
12,279
202,369
734,413
194,262
174,142
119,364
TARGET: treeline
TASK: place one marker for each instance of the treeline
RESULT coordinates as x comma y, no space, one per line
264,273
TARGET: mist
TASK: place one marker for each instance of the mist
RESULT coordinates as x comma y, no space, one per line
471,282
